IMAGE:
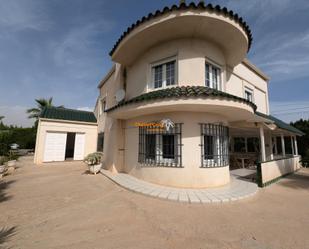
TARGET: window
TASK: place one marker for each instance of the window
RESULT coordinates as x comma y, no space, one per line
150,141
102,106
209,146
253,145
239,144
168,146
246,144
160,147
214,144
164,75
100,146
212,76
248,94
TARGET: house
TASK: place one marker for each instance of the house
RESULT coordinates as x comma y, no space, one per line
186,66
65,134
182,105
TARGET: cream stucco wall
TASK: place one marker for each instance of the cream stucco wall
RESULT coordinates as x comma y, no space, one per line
191,175
274,169
190,57
121,139
242,76
44,126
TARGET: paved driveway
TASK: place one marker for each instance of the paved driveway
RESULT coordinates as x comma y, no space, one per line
59,206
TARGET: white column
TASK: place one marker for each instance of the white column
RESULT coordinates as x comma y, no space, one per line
276,149
271,146
283,145
292,145
262,141
295,146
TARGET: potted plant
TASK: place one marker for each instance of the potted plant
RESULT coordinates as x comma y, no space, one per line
94,162
3,166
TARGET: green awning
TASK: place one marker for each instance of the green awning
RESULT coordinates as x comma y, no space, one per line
280,124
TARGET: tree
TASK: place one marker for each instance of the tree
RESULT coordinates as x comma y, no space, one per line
303,141
41,104
2,126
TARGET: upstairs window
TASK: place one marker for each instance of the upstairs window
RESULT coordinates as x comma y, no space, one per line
248,94
212,76
164,74
102,106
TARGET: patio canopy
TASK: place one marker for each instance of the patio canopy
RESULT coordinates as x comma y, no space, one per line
280,124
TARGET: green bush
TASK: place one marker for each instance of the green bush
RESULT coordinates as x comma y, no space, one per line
3,160
93,158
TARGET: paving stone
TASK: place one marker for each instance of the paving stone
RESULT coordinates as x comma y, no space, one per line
192,197
164,194
183,197
236,190
173,196
155,192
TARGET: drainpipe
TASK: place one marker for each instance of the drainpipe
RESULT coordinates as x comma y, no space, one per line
262,141
283,145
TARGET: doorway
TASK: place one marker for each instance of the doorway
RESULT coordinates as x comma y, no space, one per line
70,144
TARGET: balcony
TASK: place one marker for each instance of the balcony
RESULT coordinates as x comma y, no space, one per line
215,24
185,98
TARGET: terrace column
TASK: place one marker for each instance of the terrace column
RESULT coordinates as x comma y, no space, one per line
262,141
295,146
292,145
271,146
283,145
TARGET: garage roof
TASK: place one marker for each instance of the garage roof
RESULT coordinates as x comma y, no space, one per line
68,114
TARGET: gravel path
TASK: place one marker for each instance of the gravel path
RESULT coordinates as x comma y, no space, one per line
61,206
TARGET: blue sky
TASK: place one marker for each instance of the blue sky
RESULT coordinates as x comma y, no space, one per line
60,48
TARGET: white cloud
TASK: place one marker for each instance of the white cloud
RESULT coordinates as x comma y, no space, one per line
16,115
290,110
85,108
20,14
266,10
283,56
78,41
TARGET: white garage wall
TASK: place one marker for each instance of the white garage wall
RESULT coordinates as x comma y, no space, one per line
89,129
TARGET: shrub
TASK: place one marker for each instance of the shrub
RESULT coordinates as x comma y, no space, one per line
93,158
3,160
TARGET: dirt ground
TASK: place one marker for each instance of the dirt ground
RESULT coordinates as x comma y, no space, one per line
60,206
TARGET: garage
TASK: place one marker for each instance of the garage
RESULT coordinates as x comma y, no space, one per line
65,135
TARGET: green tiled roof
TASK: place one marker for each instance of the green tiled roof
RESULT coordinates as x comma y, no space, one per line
68,114
191,6
281,124
183,92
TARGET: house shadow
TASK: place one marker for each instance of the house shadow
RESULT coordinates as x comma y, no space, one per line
4,185
298,180
5,235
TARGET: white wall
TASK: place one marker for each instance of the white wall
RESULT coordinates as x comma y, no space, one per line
89,129
191,175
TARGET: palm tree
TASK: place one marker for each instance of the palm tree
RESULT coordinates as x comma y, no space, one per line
41,104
